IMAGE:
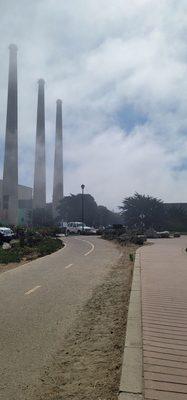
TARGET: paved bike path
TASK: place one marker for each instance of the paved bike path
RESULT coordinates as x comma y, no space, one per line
40,302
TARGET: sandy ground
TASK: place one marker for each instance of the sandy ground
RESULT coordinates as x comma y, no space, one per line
88,365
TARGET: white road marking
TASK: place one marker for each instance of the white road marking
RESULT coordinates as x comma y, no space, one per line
32,290
69,266
91,244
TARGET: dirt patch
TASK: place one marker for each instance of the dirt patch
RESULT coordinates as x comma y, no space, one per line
88,366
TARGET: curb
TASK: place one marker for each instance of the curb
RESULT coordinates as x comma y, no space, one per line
131,384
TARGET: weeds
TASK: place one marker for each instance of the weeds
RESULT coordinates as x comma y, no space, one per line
131,257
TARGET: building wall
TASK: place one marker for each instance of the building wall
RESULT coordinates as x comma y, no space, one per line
178,205
24,204
24,192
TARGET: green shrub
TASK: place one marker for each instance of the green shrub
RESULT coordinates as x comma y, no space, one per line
9,256
18,250
22,241
48,246
33,238
49,231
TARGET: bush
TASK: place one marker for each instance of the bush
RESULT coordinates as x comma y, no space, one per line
9,256
49,231
48,246
42,248
32,238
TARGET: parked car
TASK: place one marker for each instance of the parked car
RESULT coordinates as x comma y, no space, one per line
163,235
6,234
63,227
176,234
151,233
100,230
80,229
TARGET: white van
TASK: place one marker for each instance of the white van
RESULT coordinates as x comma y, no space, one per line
80,229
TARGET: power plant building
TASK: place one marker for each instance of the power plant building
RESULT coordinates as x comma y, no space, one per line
24,205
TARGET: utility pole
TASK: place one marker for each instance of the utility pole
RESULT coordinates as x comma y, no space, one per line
82,187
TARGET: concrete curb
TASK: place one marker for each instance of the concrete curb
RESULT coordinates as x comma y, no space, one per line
131,384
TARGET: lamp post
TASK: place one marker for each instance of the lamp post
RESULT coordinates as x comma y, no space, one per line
82,187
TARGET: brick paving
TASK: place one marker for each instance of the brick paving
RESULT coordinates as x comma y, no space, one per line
164,319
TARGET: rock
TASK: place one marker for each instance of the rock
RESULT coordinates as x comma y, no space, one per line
6,246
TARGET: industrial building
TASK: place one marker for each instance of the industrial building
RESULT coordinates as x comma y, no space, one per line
24,205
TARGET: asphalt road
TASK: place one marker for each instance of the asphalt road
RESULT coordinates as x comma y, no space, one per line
39,302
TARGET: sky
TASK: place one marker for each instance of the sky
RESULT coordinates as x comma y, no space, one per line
120,67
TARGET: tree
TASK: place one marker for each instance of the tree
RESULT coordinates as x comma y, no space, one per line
42,217
70,209
176,218
143,212
107,217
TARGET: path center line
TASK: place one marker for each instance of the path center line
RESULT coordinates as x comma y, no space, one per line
91,244
32,290
69,266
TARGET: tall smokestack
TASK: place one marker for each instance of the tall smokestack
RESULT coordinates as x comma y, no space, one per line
10,173
58,162
39,193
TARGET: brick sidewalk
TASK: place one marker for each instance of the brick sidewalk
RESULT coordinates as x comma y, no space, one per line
164,315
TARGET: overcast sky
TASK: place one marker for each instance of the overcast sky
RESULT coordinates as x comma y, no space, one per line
120,67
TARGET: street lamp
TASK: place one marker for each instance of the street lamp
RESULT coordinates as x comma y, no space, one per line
82,187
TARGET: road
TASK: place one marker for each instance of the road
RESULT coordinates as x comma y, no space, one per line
39,302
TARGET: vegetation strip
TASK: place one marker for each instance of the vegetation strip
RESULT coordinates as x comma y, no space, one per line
29,246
